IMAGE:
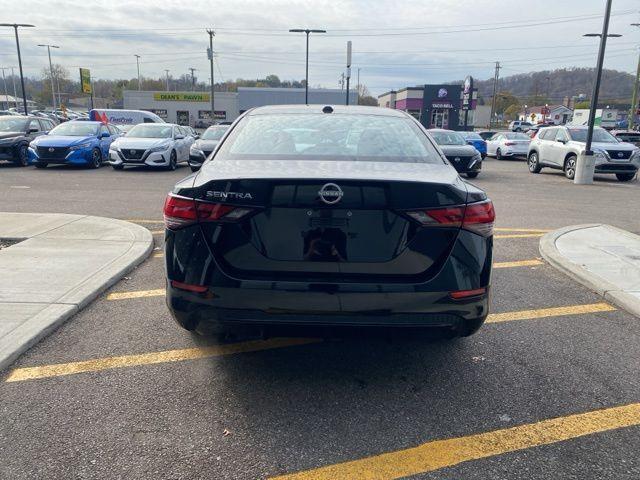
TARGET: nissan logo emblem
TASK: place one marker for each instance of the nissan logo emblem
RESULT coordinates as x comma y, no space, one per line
330,193
620,154
457,159
132,152
51,149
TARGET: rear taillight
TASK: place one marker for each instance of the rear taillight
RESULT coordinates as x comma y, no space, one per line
180,212
476,217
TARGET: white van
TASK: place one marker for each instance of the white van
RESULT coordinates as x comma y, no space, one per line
124,117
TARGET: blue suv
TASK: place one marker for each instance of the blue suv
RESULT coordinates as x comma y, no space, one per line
74,143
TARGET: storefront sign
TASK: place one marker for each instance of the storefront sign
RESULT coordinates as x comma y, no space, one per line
161,112
467,93
181,97
442,105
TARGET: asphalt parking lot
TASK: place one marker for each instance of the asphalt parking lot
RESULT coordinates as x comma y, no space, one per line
122,392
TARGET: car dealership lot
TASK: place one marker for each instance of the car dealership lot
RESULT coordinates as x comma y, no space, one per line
153,401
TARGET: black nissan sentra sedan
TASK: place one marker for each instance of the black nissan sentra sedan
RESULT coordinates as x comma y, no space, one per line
331,216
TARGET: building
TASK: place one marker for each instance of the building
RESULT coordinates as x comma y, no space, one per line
9,101
556,114
435,106
194,108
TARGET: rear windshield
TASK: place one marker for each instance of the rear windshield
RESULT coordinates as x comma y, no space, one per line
448,138
214,133
320,136
517,136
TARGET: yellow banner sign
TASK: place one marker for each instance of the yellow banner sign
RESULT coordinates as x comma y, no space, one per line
85,80
181,97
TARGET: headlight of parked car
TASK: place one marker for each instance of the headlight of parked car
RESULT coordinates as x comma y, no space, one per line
80,147
195,150
636,154
600,155
159,148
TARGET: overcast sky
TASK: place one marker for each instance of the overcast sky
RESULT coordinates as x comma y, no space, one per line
395,43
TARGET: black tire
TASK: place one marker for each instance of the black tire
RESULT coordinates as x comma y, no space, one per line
472,174
570,167
118,167
96,159
22,156
518,129
534,163
173,161
195,169
41,164
498,154
625,177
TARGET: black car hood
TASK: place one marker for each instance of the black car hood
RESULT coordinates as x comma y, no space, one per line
4,135
462,150
292,169
206,144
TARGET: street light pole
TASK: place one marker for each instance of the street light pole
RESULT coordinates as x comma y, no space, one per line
210,53
15,92
138,66
306,81
634,95
53,90
15,27
585,165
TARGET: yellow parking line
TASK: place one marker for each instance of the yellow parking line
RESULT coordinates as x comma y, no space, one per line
157,232
57,370
538,230
136,294
519,235
143,220
158,255
549,312
438,454
520,263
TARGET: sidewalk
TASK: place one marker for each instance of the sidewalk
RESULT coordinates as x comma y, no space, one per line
62,264
605,259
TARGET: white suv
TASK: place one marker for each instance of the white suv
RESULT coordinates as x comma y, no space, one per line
520,126
559,147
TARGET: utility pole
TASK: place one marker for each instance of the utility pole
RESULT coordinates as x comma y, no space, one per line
358,92
4,81
166,72
15,27
193,78
496,76
306,82
138,65
210,54
348,69
634,95
53,90
15,92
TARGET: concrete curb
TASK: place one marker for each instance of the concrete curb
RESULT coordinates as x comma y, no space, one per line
42,318
580,274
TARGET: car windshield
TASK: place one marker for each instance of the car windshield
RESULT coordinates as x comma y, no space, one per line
76,129
320,136
148,130
516,136
8,124
599,135
448,138
471,135
213,133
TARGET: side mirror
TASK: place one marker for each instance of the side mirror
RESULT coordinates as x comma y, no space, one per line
105,135
469,142
179,137
197,137
559,140
33,130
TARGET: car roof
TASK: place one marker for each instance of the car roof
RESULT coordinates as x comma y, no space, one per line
338,109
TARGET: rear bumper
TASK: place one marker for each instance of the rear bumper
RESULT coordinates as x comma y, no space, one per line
232,301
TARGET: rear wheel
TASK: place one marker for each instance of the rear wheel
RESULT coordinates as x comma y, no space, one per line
41,164
173,160
96,159
22,156
570,167
533,163
625,177
472,174
498,154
